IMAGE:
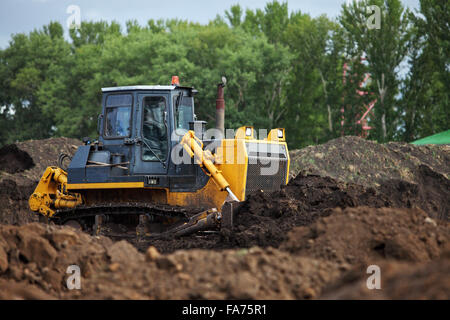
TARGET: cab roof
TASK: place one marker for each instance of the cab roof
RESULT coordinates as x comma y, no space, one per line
131,88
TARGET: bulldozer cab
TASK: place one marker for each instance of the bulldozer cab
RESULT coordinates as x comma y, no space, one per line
139,129
143,123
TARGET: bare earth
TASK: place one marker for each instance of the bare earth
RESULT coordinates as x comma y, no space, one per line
350,203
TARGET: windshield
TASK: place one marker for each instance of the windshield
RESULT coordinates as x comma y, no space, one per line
118,115
184,114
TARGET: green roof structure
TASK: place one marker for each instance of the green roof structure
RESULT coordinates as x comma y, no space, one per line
438,138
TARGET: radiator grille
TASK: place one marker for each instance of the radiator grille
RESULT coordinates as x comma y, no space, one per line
267,167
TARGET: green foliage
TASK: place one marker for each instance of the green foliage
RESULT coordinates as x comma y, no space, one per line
426,97
385,49
283,69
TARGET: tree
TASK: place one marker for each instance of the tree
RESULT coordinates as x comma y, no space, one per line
318,53
25,67
425,91
284,69
385,49
93,33
234,16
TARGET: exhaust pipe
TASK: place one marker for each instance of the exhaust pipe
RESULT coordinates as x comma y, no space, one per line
220,107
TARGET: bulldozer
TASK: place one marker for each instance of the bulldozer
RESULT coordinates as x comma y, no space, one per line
154,169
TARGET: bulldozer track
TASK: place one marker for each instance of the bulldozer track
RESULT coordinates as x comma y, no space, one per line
114,212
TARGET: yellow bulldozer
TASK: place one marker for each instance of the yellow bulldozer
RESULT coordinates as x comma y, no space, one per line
156,170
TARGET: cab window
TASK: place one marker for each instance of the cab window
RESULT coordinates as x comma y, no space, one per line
184,113
118,116
154,129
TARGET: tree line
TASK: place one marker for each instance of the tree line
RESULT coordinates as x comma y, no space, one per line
315,76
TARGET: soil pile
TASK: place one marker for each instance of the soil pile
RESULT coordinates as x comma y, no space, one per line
363,235
266,218
356,204
13,159
230,274
39,255
34,259
29,159
431,193
399,281
316,259
14,207
411,250
367,163
21,167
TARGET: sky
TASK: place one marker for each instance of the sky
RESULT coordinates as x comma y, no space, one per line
17,16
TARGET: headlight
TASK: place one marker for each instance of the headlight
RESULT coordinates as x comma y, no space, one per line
280,133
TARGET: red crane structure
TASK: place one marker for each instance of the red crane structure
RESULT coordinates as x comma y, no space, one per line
366,109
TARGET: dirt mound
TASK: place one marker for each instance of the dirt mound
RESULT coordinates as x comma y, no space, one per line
12,290
41,153
320,232
266,218
399,281
431,193
363,235
14,203
13,160
39,255
231,274
367,163
34,259
21,167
